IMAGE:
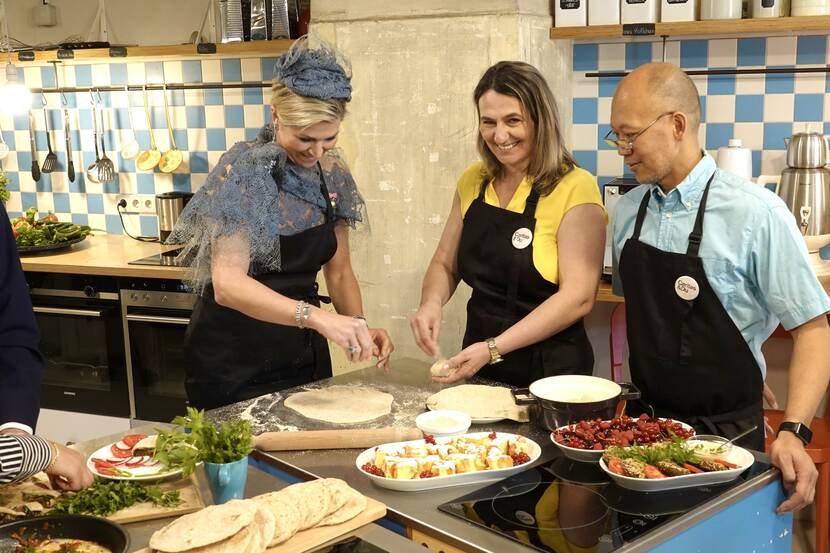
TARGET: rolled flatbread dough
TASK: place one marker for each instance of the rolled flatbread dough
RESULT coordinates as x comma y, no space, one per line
479,401
341,404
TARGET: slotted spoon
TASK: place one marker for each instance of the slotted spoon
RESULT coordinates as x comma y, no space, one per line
148,158
92,168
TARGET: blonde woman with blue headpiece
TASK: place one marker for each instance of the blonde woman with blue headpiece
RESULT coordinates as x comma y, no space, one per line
273,212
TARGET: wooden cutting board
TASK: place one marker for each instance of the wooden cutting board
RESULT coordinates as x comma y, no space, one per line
316,537
188,492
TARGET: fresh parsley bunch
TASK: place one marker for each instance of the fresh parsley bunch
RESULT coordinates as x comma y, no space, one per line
105,498
195,440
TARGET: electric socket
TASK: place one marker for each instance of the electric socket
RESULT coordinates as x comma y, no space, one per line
139,203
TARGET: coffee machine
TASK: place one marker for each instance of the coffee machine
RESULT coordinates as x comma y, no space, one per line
169,206
804,185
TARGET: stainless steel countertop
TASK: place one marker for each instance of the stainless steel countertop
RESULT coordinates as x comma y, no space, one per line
258,482
418,510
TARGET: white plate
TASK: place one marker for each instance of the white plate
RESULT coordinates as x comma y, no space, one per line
156,472
419,484
736,455
592,455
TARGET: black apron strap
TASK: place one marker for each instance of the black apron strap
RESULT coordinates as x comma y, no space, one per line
696,235
641,215
519,260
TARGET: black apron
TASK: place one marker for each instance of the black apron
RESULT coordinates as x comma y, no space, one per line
687,356
506,287
232,357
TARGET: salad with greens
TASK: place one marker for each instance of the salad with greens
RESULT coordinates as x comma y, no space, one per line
31,231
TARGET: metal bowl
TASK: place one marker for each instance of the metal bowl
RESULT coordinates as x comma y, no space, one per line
79,527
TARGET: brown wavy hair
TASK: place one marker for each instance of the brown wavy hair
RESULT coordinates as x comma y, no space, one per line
550,160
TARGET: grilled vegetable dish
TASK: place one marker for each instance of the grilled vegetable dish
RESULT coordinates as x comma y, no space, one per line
29,231
664,460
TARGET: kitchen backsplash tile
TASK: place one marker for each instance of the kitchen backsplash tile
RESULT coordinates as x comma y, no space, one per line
761,110
205,124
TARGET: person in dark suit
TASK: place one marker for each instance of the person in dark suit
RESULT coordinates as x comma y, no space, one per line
21,364
21,370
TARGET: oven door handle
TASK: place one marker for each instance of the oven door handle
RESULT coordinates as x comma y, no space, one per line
157,319
65,311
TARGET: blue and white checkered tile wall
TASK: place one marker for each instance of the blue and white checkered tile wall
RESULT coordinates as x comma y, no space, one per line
205,123
761,110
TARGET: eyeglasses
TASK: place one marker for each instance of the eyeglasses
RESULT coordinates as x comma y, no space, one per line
625,145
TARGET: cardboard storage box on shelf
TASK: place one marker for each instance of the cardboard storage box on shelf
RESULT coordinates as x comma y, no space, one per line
679,10
570,13
639,11
604,12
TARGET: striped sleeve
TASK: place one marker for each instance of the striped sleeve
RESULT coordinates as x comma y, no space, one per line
22,456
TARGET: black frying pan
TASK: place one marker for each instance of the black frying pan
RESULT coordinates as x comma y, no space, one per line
79,527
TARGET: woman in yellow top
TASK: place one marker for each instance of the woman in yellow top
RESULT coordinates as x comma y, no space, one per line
526,233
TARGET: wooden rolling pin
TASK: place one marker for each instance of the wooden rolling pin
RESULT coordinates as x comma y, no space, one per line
334,439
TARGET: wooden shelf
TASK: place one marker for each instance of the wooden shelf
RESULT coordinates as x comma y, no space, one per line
259,48
770,26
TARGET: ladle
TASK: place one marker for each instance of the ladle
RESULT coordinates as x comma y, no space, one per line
172,158
148,158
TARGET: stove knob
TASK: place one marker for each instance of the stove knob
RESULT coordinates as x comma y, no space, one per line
164,299
89,291
146,297
134,296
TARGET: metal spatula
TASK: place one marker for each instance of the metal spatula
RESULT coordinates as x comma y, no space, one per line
51,160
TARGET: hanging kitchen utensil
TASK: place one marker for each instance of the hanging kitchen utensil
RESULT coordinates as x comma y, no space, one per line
70,165
33,146
172,158
51,160
106,168
131,149
4,148
148,158
92,169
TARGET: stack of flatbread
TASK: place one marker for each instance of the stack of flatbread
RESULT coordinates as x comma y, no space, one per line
267,520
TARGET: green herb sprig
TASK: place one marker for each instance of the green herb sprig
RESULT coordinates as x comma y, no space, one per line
104,498
195,440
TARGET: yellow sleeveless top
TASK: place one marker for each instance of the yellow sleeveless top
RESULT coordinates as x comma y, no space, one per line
576,188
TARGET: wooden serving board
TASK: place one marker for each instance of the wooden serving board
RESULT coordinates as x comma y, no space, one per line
188,492
315,537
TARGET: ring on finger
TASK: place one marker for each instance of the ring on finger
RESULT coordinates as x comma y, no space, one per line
353,349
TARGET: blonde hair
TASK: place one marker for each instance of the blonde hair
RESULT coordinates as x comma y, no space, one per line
294,110
550,160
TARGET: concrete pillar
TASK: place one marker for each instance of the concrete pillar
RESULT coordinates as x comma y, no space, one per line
412,128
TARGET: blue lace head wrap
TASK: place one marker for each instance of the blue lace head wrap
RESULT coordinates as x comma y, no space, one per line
314,73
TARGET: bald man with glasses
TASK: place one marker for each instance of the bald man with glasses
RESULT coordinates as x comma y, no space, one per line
709,264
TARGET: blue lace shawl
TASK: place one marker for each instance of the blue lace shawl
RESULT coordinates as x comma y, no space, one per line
256,190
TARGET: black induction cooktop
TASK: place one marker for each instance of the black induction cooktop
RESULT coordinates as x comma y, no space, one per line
565,503
167,259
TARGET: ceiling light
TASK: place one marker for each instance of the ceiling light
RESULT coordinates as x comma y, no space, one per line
15,97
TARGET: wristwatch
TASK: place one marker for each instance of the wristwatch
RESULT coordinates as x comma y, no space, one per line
495,356
799,429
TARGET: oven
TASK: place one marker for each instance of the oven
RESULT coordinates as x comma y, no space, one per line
155,314
81,340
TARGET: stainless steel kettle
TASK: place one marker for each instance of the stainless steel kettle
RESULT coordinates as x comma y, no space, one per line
807,150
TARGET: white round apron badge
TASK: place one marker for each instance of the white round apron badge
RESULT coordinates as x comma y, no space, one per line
686,287
522,238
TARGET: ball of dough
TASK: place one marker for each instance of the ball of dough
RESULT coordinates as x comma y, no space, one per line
440,368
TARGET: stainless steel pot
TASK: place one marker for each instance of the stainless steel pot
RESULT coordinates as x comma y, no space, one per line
169,206
561,400
807,150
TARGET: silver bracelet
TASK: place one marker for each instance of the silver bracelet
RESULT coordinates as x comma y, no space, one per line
302,312
361,317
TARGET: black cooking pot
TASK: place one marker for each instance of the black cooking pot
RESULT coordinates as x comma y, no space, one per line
78,527
565,399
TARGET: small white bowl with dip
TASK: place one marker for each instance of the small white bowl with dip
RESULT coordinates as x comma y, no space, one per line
443,422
